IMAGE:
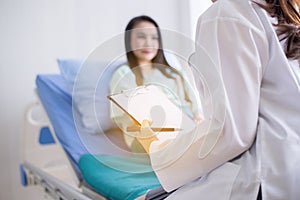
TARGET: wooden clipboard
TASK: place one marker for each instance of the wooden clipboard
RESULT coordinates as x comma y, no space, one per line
150,103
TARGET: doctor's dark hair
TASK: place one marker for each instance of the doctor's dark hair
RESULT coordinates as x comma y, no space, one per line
159,61
288,24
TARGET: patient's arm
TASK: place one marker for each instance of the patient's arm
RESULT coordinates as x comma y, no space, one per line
123,121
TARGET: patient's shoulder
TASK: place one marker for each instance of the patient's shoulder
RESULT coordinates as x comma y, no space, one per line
123,69
122,78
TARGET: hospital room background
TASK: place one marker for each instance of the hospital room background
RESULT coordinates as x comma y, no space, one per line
34,33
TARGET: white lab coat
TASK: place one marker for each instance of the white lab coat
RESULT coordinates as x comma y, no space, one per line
259,142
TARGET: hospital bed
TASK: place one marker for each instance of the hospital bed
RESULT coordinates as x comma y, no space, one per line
56,156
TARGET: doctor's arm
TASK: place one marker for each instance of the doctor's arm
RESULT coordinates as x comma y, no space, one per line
198,152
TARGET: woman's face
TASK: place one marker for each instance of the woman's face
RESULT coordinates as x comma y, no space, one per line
144,42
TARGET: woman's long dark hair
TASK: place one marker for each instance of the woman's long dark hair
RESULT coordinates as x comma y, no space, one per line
288,17
159,61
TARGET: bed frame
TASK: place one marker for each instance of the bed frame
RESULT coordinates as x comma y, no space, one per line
45,163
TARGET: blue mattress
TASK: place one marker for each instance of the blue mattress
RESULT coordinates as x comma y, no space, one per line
113,174
57,101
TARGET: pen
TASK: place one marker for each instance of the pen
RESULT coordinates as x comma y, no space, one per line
155,129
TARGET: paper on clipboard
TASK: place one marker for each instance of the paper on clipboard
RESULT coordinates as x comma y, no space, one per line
149,102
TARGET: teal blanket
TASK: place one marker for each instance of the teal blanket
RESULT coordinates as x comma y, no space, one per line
118,178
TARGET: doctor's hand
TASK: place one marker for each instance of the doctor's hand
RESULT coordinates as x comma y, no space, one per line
146,136
197,117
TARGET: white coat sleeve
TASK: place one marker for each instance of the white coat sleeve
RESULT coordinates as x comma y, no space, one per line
238,52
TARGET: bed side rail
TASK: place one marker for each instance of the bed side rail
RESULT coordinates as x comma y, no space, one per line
40,148
54,187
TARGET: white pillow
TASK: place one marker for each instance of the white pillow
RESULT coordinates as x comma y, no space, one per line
69,69
90,88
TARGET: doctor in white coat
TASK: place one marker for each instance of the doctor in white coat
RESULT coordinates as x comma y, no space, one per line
248,145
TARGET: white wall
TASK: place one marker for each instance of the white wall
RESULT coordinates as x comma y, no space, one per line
33,33
196,8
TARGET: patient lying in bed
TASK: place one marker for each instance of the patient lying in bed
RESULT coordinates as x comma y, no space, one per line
95,143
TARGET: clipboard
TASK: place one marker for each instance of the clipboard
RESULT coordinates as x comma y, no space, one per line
148,102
